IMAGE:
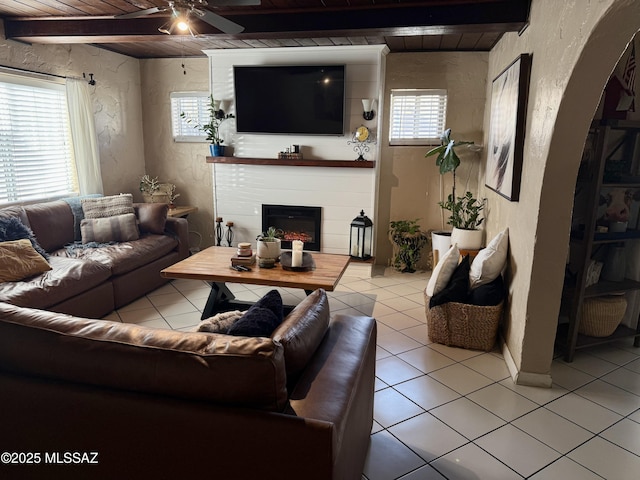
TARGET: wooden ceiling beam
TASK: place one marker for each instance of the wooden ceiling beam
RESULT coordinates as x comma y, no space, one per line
493,16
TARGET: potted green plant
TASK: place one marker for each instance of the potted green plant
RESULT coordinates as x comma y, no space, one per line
465,219
269,247
464,210
408,240
212,128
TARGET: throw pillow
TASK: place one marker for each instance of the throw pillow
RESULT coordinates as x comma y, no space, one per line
12,228
19,260
488,295
121,228
152,217
443,271
102,207
261,319
457,289
490,261
219,323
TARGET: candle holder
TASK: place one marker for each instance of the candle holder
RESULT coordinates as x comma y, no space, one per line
229,233
218,231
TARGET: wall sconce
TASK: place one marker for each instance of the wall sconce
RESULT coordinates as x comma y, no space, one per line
217,108
368,105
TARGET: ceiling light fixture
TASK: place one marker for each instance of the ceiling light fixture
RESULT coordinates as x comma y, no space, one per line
180,19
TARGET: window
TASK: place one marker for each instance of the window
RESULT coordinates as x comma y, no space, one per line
36,159
195,105
417,116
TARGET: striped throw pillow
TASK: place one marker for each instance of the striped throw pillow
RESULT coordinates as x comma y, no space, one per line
119,228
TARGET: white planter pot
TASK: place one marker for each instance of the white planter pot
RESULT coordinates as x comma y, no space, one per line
467,239
440,243
269,249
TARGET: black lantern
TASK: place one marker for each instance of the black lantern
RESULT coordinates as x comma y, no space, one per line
361,237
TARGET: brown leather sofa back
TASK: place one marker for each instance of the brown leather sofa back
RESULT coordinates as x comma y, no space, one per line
226,370
52,224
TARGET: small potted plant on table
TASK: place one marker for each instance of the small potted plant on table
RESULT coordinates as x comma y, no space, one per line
269,247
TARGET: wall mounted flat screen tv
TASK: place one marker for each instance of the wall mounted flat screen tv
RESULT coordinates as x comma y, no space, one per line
298,99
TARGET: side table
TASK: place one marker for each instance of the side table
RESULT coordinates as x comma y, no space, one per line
182,211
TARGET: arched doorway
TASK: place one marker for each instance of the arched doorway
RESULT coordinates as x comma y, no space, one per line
599,56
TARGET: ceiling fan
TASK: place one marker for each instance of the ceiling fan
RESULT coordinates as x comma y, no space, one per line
182,11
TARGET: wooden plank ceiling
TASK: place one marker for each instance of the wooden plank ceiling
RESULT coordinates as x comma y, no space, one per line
403,25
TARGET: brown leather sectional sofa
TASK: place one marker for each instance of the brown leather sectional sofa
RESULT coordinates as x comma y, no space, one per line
83,398
93,282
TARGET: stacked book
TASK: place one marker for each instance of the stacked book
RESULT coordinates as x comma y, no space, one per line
246,261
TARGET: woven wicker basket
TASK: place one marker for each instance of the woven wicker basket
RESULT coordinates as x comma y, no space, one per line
602,315
463,325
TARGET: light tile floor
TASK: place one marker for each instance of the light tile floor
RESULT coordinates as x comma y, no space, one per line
451,413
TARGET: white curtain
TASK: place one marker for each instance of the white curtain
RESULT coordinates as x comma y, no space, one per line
83,133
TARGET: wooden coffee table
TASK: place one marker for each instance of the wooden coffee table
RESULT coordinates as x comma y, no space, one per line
213,265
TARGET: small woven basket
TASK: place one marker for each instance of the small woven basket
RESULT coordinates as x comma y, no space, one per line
602,315
463,325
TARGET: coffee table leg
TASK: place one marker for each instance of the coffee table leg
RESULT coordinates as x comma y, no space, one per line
219,294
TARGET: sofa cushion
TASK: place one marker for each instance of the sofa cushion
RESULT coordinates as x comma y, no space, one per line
152,217
19,260
261,319
235,371
301,332
110,206
118,228
125,256
52,223
12,228
67,278
15,211
489,294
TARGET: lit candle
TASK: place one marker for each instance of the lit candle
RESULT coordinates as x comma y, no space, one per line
296,253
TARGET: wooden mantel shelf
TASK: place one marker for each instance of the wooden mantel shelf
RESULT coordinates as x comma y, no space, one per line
293,163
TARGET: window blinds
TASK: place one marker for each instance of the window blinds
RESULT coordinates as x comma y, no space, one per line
36,160
195,105
417,116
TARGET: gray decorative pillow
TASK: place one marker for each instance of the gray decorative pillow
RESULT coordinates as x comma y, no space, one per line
219,323
120,228
113,205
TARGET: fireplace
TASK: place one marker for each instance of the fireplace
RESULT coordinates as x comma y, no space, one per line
297,223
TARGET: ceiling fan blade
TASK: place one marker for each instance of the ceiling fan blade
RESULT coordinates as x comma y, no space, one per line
142,13
233,3
221,23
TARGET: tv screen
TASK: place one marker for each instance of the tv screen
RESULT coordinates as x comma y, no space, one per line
297,99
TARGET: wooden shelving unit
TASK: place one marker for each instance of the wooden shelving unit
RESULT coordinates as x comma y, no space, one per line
594,176
293,162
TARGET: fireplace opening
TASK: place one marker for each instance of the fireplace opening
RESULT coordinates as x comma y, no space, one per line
296,222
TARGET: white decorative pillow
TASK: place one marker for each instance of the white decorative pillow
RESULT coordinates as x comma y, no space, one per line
120,228
101,207
490,261
444,269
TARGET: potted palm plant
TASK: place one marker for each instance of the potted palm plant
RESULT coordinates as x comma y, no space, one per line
465,210
211,128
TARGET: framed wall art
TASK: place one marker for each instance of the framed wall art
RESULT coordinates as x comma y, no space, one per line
507,126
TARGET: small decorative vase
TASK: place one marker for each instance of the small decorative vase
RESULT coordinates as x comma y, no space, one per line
217,150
